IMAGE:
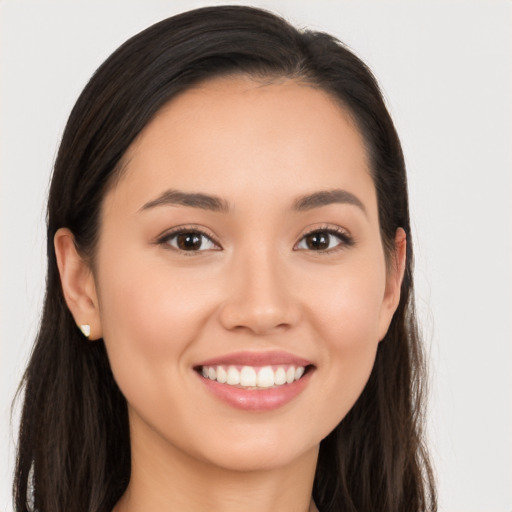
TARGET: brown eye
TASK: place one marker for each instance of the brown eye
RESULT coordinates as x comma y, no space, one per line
324,240
190,241
318,241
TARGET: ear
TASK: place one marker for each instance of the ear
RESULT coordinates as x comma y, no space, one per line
394,279
77,283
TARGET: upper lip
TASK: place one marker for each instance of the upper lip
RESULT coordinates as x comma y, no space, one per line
257,359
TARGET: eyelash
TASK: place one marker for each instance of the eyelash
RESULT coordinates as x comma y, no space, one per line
184,230
345,239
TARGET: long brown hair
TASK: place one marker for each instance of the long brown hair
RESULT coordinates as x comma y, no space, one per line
74,436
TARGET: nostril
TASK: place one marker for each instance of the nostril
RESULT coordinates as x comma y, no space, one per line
258,307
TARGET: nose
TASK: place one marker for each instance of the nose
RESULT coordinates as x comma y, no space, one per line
259,296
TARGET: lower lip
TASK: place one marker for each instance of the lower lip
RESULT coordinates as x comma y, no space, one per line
257,399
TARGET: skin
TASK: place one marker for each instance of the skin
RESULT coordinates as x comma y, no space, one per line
256,286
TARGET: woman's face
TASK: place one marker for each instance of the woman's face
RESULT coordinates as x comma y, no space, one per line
242,242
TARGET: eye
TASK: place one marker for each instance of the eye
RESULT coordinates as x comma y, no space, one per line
189,240
322,240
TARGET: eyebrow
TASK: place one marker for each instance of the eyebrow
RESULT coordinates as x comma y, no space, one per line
327,197
195,200
173,197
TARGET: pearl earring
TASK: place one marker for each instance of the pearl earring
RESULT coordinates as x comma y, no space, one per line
86,330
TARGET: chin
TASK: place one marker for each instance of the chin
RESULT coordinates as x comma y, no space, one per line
254,459
258,449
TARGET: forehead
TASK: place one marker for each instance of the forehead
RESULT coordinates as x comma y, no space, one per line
234,136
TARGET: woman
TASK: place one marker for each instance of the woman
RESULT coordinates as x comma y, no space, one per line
229,319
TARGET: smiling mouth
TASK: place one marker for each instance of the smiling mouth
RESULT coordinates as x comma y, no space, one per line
254,377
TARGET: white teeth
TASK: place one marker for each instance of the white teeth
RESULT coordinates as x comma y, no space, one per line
248,376
222,376
233,376
265,377
279,377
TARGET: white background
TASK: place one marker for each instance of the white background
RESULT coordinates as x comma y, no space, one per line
445,68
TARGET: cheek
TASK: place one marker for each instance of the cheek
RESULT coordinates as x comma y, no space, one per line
150,298
347,308
347,319
149,317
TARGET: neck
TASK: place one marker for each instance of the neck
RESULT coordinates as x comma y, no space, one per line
163,478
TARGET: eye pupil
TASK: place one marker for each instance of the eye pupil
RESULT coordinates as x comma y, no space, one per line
317,241
189,241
